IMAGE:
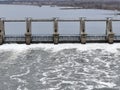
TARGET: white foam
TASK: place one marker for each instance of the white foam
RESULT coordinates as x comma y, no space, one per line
110,84
104,84
83,47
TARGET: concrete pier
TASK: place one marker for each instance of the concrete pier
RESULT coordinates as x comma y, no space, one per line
2,32
109,33
82,31
28,31
55,34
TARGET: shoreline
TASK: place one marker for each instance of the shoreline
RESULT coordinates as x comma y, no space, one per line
108,5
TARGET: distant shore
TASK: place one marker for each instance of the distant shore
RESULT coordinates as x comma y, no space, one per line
81,4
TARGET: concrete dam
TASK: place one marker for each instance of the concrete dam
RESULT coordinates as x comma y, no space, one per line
82,37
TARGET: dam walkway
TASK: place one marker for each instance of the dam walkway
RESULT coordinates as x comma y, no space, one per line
81,37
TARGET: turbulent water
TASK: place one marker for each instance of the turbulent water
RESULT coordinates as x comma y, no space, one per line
60,67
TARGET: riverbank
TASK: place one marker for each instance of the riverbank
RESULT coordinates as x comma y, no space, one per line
92,4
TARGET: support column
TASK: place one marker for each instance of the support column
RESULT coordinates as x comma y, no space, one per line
28,31
55,34
82,31
109,32
2,31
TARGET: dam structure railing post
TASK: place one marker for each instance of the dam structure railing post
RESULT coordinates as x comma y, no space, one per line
82,37
28,31
2,31
55,34
109,32
82,31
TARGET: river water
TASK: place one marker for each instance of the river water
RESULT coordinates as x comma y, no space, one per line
58,67
21,12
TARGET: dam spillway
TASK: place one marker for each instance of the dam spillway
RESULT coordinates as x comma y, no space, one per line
81,37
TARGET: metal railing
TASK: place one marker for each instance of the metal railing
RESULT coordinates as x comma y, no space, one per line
62,38
42,38
96,37
14,38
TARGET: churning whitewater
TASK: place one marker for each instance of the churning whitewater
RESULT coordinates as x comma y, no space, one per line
60,67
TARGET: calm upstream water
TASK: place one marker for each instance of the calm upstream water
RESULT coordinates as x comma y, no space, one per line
63,66
21,12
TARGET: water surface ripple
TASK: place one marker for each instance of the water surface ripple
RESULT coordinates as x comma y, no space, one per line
66,69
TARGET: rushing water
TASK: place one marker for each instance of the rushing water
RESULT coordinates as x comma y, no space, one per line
63,66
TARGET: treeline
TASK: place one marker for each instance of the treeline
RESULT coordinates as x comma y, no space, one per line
99,4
